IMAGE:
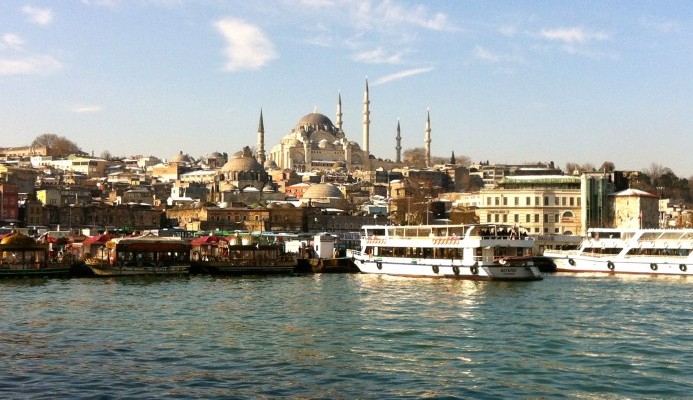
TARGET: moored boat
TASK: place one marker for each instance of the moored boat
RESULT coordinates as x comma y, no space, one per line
141,255
240,255
636,251
22,256
478,252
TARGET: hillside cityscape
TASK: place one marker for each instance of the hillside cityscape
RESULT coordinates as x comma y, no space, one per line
316,179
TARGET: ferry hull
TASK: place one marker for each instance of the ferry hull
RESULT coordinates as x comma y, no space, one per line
444,269
130,270
620,266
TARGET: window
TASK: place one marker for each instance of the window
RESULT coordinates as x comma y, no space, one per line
546,200
517,201
536,201
556,218
563,201
572,201
556,230
505,217
516,218
528,201
578,201
496,218
536,218
528,218
556,201
546,218
505,201
497,201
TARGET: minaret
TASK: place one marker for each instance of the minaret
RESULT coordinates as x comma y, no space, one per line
366,120
339,112
427,141
398,148
261,141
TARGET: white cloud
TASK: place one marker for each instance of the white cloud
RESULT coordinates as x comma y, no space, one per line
39,65
572,35
509,31
41,16
388,12
486,55
11,40
86,109
247,46
401,75
379,56
661,26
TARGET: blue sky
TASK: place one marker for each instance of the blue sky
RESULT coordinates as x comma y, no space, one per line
507,82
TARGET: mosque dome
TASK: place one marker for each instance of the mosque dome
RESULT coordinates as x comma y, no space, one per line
180,158
323,144
242,163
227,187
316,119
215,154
271,164
323,191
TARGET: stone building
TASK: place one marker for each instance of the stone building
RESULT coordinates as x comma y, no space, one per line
635,209
549,204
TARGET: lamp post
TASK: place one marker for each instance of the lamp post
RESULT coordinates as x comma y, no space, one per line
428,207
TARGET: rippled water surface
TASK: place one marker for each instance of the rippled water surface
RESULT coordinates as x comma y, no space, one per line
346,336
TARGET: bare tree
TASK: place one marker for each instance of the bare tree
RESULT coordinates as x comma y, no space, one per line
655,171
608,166
58,146
415,157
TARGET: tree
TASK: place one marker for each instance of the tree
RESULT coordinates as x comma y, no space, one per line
106,155
608,166
415,157
57,146
655,171
571,167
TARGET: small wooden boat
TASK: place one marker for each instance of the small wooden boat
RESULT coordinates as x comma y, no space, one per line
141,255
236,255
22,256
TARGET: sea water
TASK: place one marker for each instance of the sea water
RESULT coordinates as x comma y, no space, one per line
346,336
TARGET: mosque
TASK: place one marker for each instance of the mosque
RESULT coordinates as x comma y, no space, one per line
317,144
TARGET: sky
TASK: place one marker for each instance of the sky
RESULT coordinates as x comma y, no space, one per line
504,81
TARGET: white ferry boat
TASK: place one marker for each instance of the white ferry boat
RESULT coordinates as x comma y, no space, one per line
479,252
640,251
